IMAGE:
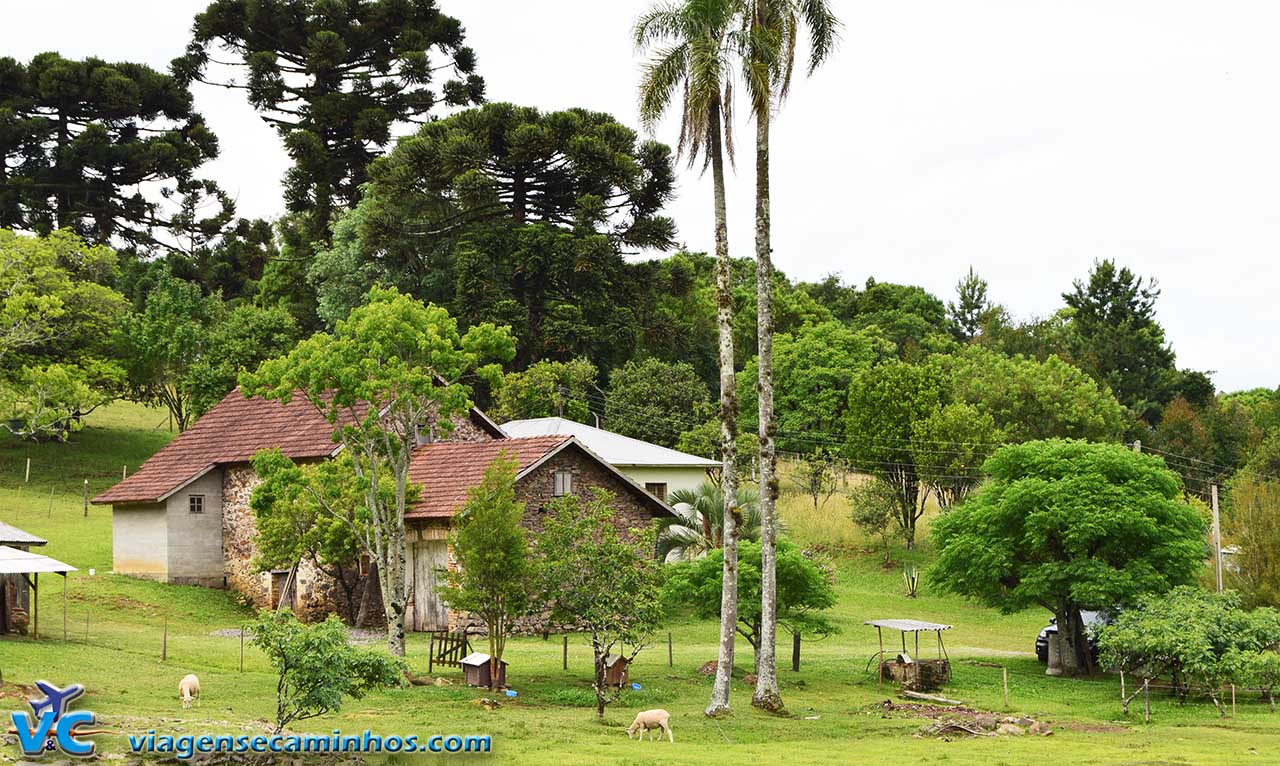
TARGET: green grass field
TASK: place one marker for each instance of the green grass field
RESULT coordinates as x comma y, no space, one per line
115,630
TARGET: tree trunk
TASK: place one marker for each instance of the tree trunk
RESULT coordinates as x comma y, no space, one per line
767,695
599,674
719,703
1071,642
391,571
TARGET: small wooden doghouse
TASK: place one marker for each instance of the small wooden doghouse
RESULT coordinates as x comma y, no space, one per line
906,669
476,671
616,672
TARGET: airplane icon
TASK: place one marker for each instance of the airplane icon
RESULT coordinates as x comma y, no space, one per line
55,699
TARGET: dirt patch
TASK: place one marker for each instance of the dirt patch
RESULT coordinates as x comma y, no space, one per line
1091,728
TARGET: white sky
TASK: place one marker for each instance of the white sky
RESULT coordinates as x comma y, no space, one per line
1024,137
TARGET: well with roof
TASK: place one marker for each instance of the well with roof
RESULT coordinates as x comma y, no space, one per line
906,667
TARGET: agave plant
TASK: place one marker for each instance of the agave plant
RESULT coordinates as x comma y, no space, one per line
698,526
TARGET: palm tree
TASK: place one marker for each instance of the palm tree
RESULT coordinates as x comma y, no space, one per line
694,45
770,29
697,528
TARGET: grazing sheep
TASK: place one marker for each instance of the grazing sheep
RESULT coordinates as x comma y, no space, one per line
189,690
651,719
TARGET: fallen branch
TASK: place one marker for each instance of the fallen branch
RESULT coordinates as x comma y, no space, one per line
928,697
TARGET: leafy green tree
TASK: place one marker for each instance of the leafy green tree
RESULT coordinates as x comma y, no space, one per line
885,404
185,349
309,512
390,373
547,389
600,578
905,314
813,367
692,45
1251,520
496,576
816,475
971,308
1032,400
56,304
949,446
1069,525
698,526
87,146
335,79
805,591
875,508
1182,431
1200,641
651,399
316,668
48,402
1114,336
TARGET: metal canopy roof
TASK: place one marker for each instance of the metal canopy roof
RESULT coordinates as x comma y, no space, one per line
907,626
14,561
11,535
615,449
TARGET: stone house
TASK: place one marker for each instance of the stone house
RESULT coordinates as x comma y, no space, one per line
184,516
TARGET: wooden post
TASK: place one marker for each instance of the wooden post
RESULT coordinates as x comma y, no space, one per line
795,651
564,657
431,651
880,659
86,627
164,640
86,498
1217,534
51,488
1005,673
124,472
1233,700
35,610
64,606
26,479
1146,699
671,652
241,648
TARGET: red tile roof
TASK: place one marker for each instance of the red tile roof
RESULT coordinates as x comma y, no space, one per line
229,433
446,470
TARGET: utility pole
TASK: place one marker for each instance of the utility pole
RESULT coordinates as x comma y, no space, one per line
1217,534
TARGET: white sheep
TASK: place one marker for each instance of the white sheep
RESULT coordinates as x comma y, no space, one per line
648,720
189,690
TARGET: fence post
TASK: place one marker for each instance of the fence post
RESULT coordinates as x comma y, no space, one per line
241,648
1146,699
1004,672
86,498
26,479
164,640
795,652
564,657
671,657
1233,700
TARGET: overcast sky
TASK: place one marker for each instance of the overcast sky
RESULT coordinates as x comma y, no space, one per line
1026,138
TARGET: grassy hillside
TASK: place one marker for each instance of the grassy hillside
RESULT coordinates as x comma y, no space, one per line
836,706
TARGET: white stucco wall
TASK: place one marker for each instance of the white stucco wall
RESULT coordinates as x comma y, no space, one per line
195,539
140,541
674,478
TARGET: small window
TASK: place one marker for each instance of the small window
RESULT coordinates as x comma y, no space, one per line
563,483
656,488
195,503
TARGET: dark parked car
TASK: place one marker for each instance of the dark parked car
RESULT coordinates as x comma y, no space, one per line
1090,619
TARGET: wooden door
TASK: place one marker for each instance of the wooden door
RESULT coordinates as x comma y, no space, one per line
429,612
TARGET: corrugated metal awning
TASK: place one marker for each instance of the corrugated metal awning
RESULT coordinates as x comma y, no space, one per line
14,561
907,626
11,535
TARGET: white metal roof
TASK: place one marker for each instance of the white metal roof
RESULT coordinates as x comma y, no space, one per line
14,561
10,535
615,449
907,626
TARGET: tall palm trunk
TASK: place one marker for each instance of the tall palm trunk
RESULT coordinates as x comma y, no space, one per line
767,695
728,426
